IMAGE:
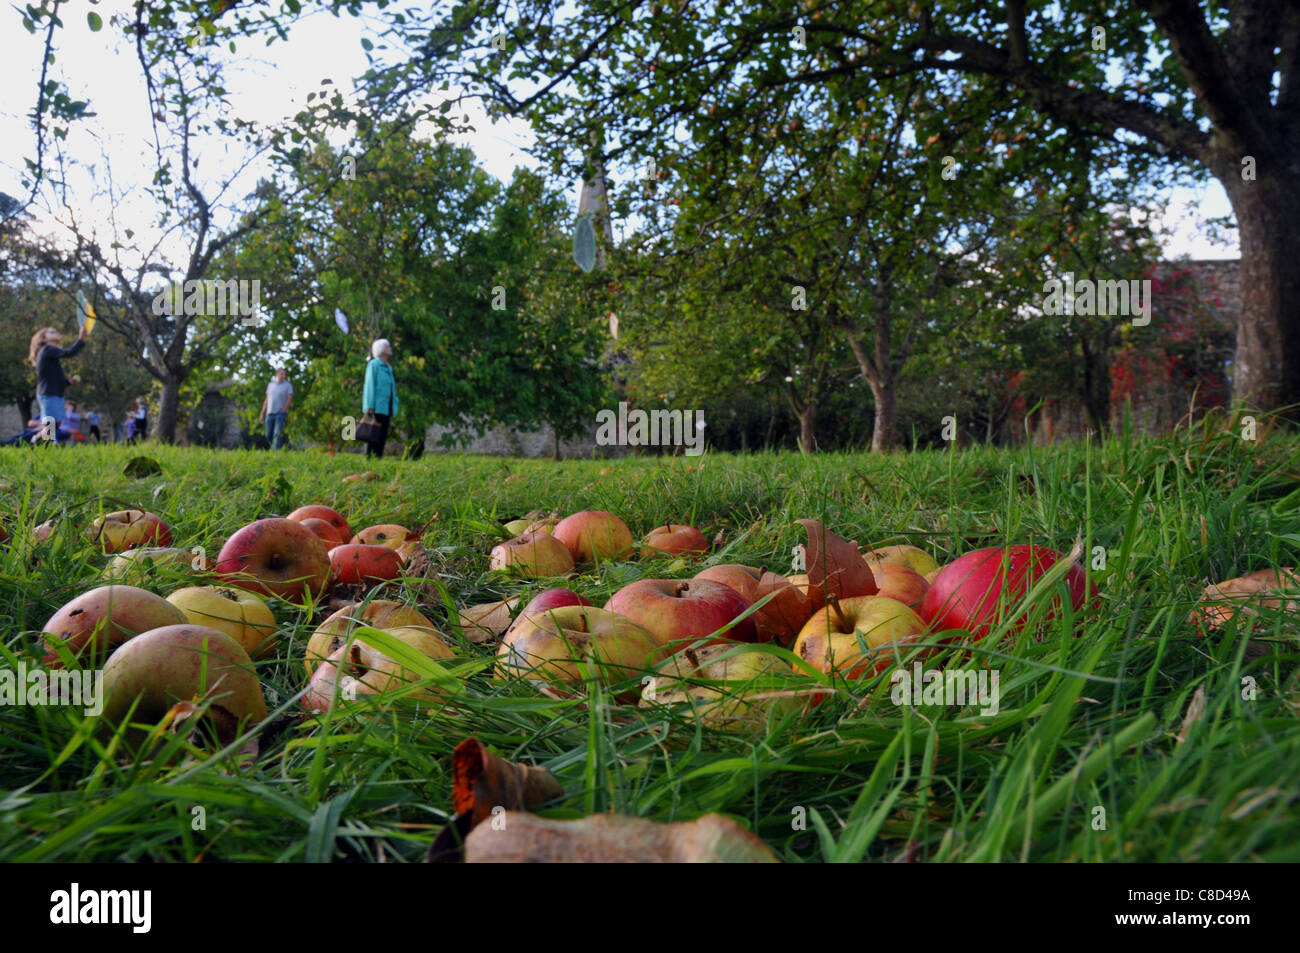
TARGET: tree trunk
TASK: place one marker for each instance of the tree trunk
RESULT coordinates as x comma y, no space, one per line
808,427
885,427
164,429
1096,387
1266,370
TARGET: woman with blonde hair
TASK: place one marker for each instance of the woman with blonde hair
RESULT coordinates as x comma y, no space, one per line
45,355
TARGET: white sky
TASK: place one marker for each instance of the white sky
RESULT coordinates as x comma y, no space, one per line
269,84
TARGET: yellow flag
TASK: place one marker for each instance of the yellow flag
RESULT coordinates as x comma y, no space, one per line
85,313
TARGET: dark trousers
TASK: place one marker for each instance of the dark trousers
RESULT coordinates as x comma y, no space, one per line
375,448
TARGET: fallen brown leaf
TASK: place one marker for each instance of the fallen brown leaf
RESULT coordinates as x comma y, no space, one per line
518,837
487,621
1248,594
834,566
781,619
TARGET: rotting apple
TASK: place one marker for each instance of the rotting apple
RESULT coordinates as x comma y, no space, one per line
556,645
358,563
718,682
679,611
391,535
833,639
974,591
96,622
676,540
123,529
386,614
240,614
277,557
362,669
594,535
328,514
534,555
180,663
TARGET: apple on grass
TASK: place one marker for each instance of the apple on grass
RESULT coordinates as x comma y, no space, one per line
238,613
331,516
594,536
327,533
678,611
135,565
391,535
975,591
549,599
914,558
123,529
675,540
354,563
858,636
782,616
362,669
556,645
899,582
96,622
534,556
331,635
276,557
182,663
718,682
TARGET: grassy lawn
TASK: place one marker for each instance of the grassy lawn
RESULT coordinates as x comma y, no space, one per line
1084,723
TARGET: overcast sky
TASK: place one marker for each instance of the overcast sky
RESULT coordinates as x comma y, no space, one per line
269,84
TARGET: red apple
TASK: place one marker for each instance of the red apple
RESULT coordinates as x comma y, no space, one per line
594,535
331,516
547,600
682,610
391,535
98,621
354,563
326,531
897,581
676,540
278,557
974,591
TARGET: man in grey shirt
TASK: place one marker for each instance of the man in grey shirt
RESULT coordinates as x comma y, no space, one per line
275,407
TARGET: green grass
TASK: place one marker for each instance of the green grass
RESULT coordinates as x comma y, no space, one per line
1085,723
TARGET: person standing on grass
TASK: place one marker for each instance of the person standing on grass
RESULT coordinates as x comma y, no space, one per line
46,355
141,416
92,426
275,407
379,399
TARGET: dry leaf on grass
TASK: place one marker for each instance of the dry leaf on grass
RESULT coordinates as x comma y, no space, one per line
487,621
482,782
516,837
781,619
1249,593
835,567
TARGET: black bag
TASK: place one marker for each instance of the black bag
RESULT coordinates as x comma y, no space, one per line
367,429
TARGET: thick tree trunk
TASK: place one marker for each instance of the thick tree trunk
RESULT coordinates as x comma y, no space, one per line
1266,371
1096,387
884,428
168,409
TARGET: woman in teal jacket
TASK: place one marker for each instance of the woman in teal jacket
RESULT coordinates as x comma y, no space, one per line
380,397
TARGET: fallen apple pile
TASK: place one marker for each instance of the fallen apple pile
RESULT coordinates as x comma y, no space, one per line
698,641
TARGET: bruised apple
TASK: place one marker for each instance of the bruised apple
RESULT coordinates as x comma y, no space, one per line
276,557
856,637
682,610
384,534
534,555
331,516
114,532
594,535
556,645
363,669
354,563
97,622
975,591
675,540
332,634
238,613
181,663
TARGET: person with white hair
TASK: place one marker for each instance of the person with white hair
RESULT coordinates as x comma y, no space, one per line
379,400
